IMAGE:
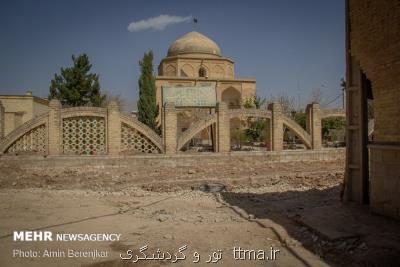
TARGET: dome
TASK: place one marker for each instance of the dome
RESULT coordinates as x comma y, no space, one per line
194,42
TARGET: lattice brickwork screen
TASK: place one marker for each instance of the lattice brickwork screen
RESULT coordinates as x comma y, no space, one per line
33,141
134,141
84,135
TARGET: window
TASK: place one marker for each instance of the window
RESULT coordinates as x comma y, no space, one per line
202,72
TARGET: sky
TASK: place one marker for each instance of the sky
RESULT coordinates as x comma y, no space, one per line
289,47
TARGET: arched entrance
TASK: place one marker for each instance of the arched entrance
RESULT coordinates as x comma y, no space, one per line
232,97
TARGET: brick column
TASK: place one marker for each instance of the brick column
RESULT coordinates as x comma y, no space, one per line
54,127
313,124
170,124
277,126
224,129
2,120
113,128
268,134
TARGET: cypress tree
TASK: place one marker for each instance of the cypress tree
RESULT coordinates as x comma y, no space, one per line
76,86
147,104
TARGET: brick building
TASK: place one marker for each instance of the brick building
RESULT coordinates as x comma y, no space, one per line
373,74
194,61
18,109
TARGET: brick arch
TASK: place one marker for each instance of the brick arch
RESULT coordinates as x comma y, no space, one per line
83,112
146,132
267,114
170,70
197,127
218,71
202,124
24,130
90,138
187,70
202,66
298,130
231,96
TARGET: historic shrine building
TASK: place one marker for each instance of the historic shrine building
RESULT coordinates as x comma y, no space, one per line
195,64
196,60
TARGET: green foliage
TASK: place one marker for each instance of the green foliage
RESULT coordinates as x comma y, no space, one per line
256,130
147,104
76,86
332,123
239,136
248,103
255,102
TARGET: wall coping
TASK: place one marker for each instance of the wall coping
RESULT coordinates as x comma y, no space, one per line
185,155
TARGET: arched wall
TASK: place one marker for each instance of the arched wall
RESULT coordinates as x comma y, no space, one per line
187,70
82,130
152,137
231,96
23,130
298,131
205,68
124,132
243,114
170,70
217,71
196,128
83,111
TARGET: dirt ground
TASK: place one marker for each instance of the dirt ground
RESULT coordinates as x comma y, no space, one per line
290,207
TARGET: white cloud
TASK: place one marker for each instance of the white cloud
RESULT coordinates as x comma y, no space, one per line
157,23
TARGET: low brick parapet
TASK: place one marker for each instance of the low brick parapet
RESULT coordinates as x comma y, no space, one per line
179,159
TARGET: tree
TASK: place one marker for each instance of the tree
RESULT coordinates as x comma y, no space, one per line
256,127
76,86
316,96
256,130
239,136
147,105
287,102
248,103
332,123
114,98
254,102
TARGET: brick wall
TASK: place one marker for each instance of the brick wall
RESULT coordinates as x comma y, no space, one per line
178,160
20,109
385,179
374,43
169,125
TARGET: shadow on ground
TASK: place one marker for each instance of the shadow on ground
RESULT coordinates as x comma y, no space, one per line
342,234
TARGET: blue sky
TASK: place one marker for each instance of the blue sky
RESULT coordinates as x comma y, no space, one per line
290,47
